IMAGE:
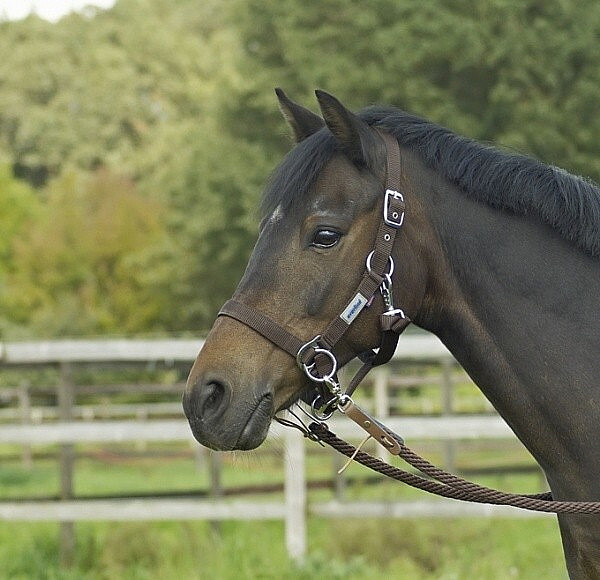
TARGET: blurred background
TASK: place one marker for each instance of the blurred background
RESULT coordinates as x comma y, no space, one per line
135,137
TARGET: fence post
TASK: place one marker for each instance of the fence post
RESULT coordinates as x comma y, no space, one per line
25,406
66,395
339,479
141,415
382,404
216,485
295,495
199,454
447,410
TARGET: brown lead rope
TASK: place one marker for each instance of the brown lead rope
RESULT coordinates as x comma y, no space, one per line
445,484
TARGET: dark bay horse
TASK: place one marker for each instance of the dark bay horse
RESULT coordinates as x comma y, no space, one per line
498,256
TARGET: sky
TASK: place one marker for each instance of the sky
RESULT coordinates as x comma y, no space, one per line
48,9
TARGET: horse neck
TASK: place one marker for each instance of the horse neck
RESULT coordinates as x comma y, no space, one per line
518,307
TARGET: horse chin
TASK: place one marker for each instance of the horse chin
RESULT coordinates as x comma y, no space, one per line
256,428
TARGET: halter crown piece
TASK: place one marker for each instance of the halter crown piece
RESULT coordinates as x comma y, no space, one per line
316,357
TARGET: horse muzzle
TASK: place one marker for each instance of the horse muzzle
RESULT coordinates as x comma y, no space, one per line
223,424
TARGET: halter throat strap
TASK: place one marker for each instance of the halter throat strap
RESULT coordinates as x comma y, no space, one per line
316,356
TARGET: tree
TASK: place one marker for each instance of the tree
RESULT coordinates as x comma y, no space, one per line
18,204
211,185
82,265
521,74
89,92
178,97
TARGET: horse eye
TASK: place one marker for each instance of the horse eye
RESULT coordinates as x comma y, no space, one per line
325,239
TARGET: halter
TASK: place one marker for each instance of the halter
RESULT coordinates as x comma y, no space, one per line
318,361
316,357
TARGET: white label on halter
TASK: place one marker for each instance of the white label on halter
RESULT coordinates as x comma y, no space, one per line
353,309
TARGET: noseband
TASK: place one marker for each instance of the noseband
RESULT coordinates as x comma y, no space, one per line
316,357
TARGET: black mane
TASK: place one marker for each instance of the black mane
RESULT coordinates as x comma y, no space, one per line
516,183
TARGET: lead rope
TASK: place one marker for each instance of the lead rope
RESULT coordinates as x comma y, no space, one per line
443,483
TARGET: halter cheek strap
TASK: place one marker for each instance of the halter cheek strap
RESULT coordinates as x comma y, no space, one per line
316,357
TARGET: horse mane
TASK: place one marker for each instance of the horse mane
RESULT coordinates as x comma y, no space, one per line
505,180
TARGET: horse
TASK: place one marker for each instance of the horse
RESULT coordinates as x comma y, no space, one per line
498,256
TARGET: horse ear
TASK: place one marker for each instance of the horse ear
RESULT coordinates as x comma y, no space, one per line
302,121
351,132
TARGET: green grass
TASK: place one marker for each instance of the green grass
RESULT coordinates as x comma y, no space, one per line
348,549
441,549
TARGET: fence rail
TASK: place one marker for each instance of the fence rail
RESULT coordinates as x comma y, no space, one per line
67,432
412,346
201,509
293,510
92,412
447,428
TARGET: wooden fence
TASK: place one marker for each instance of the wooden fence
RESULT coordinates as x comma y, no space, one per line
66,432
294,507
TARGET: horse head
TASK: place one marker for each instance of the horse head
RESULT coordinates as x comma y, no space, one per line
322,209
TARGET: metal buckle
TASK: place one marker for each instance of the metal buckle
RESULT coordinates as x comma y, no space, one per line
396,219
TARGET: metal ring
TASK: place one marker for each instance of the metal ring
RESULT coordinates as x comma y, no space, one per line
321,416
327,377
390,263
311,343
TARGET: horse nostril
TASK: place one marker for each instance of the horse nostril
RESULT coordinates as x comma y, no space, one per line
207,399
214,395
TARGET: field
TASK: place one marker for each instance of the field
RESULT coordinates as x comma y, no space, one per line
337,549
349,548
490,549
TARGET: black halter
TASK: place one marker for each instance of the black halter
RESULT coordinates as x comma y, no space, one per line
316,357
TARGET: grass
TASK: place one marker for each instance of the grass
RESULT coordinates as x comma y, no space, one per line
440,549
349,549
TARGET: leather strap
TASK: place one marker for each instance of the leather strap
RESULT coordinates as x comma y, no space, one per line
264,325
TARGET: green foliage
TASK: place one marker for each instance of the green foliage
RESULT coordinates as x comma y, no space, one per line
523,74
90,92
178,97
18,204
82,263
211,188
